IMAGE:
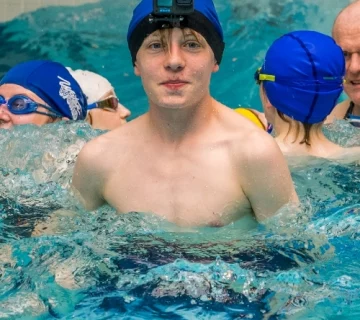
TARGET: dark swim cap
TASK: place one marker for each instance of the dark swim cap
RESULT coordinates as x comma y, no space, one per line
203,20
309,69
53,83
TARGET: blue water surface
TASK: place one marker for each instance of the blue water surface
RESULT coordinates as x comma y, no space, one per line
59,262
93,37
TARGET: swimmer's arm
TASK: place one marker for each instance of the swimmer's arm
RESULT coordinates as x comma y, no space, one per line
88,176
268,184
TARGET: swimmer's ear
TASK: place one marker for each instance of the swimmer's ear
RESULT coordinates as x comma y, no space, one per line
216,67
136,70
264,98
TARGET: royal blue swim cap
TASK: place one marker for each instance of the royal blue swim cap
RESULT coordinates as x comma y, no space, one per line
53,83
203,20
309,69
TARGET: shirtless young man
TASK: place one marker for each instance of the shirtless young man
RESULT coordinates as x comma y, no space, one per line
190,159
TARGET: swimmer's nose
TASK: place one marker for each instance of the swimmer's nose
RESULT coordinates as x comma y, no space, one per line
175,60
5,118
124,112
3,108
353,63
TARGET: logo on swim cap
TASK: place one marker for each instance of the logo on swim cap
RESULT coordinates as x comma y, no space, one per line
69,95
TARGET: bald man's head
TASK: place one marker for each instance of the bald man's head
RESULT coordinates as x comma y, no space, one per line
346,33
347,20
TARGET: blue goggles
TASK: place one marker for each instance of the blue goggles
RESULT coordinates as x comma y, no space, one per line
20,104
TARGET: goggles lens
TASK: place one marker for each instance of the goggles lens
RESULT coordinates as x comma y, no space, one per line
17,104
20,104
108,103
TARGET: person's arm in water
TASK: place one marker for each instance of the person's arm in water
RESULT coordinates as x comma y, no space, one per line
267,184
89,174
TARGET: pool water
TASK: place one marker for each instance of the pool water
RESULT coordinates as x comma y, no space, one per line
93,37
103,265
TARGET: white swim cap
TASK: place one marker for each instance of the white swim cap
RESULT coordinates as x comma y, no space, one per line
92,84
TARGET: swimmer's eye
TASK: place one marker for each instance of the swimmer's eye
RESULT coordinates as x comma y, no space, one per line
156,46
191,44
346,54
18,104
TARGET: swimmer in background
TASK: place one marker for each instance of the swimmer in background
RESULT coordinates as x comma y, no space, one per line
40,92
98,88
298,97
190,159
345,32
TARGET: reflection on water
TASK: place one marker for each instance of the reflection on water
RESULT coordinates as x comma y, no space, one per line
57,261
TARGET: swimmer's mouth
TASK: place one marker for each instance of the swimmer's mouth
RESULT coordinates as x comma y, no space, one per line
175,81
3,123
355,83
174,84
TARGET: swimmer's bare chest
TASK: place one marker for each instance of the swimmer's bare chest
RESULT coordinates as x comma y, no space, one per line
193,190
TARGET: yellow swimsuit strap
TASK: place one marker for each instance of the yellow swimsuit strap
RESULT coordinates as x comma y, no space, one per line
252,116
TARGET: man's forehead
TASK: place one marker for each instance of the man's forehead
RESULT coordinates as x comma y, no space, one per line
348,19
347,35
10,89
185,32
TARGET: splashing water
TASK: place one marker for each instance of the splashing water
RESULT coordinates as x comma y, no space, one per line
58,261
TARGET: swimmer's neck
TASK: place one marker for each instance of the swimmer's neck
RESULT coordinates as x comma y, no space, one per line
290,136
356,110
174,125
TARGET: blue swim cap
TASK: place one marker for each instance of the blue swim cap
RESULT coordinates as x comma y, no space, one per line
309,69
53,83
203,20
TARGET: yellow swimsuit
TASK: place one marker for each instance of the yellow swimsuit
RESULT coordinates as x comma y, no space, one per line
248,113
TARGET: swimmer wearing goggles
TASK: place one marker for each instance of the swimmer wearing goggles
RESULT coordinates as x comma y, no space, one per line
21,104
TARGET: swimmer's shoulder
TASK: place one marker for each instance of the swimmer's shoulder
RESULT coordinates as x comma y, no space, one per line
244,119
347,155
249,141
117,138
338,112
256,117
110,147
243,136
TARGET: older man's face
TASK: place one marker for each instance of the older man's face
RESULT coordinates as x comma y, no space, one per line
347,36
